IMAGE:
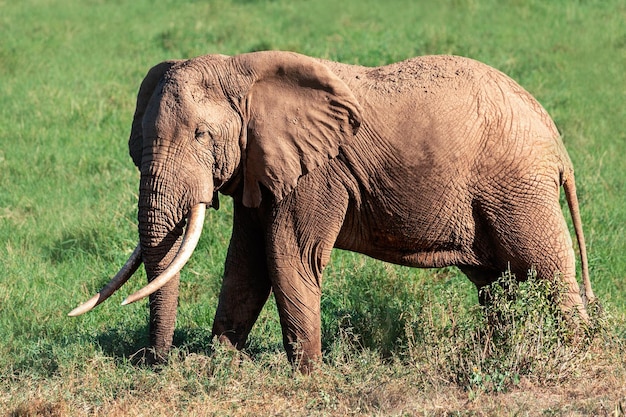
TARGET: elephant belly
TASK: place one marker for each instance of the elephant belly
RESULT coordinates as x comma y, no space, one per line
409,209
419,254
424,239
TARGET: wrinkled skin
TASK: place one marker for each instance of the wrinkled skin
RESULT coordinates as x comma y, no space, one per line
430,162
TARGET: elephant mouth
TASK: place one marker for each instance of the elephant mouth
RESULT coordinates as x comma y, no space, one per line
195,222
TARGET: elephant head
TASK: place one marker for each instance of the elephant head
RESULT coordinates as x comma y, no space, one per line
237,125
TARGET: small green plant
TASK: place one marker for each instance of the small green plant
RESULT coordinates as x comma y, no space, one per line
520,332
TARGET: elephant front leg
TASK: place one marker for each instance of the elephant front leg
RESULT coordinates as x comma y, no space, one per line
245,289
299,245
298,296
246,286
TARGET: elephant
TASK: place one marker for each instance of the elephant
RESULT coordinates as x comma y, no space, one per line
431,162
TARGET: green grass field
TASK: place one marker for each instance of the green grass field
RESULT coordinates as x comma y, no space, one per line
397,341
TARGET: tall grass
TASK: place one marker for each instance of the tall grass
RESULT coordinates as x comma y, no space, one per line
395,340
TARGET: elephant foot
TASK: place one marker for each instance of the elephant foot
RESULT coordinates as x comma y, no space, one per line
227,355
149,357
306,365
304,357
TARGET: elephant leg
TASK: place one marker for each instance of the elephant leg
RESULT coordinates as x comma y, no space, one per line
246,285
299,246
298,297
535,236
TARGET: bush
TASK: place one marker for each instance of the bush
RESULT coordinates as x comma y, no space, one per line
522,332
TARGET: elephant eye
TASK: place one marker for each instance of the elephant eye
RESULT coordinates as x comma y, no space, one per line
202,135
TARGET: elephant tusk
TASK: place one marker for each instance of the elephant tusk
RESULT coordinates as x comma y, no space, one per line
190,240
116,282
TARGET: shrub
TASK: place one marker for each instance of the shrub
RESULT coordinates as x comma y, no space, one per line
521,332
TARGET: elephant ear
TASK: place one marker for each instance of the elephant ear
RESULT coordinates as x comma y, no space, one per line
148,85
298,114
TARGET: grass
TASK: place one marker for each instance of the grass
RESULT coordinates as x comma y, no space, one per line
397,341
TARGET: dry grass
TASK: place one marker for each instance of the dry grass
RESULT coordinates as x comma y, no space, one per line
528,361
352,382
254,390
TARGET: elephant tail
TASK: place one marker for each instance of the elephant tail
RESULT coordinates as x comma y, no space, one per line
569,186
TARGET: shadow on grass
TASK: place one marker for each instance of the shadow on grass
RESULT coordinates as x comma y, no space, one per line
122,344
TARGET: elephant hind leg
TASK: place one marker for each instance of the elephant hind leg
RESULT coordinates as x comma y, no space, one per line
536,237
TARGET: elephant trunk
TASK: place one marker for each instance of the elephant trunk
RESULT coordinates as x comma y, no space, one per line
159,238
164,250
189,242
161,219
160,254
